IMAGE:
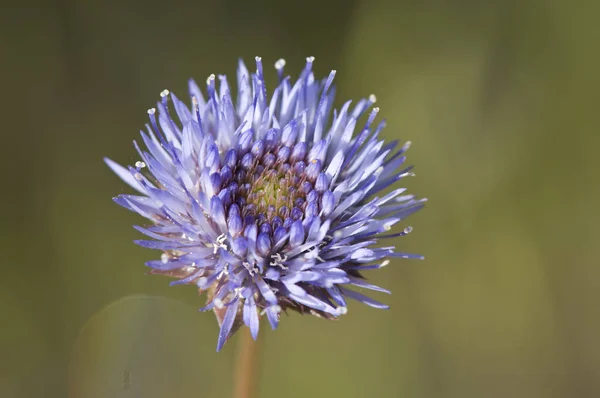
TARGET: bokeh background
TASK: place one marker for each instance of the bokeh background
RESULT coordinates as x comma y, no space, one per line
500,101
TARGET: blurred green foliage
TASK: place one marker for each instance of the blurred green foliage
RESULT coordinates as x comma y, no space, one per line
499,99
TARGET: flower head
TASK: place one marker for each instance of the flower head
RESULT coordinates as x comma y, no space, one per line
268,203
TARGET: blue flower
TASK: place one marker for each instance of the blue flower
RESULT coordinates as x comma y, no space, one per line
268,203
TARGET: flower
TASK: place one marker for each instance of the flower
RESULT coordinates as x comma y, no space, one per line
268,204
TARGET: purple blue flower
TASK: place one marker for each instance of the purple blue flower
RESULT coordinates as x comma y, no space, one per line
268,203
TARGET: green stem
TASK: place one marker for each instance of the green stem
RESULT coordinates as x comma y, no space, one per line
246,367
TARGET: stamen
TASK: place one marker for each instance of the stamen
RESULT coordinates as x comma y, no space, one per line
218,303
251,268
278,261
225,271
219,243
280,63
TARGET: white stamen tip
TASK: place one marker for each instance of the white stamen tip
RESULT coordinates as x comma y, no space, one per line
151,111
164,258
372,98
310,59
218,303
384,263
342,310
202,281
140,165
408,230
210,79
164,93
277,308
258,59
387,227
407,145
376,109
338,234
379,170
280,63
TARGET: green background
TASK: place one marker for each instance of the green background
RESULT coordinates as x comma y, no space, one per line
500,99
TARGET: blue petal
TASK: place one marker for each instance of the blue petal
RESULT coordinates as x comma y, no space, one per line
227,324
363,299
125,175
296,234
217,212
362,283
273,316
251,316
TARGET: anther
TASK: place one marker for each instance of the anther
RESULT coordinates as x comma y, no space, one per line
164,93
140,165
219,243
202,281
278,261
280,63
218,303
342,310
252,269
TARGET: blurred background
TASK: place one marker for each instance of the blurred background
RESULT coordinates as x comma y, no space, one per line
500,101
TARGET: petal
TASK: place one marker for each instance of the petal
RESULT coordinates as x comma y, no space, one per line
226,326
363,299
124,175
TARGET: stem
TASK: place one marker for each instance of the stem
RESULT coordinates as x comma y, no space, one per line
246,367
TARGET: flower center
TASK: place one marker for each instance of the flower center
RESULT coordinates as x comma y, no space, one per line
272,186
271,189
